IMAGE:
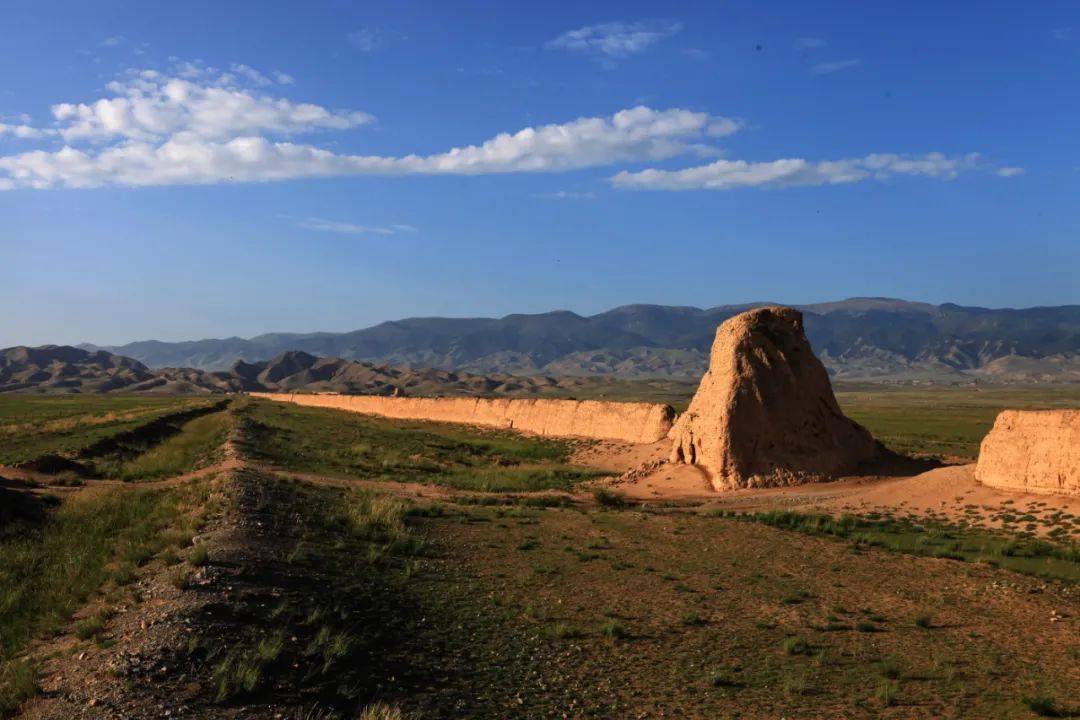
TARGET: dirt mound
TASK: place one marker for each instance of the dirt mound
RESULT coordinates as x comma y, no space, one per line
764,414
1034,451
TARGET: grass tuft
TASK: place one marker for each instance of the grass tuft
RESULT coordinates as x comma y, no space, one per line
610,499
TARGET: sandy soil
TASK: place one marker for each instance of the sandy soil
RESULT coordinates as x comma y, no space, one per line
946,492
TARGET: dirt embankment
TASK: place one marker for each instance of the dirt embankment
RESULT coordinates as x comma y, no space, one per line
628,422
1035,451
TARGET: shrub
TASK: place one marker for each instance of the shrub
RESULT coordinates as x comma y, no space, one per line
796,646
890,669
381,711
199,555
563,631
238,674
612,629
18,683
1043,706
93,625
609,498
179,577
887,692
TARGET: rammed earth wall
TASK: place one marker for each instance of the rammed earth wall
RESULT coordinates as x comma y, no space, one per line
628,422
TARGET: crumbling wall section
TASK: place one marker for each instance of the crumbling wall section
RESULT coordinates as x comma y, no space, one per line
1035,451
602,420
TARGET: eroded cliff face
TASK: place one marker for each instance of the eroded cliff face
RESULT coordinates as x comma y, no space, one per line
1036,451
765,414
595,419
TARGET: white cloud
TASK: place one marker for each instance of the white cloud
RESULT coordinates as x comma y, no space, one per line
284,78
198,127
789,172
365,39
615,39
23,131
1010,171
347,228
251,75
827,68
150,106
565,195
809,43
112,41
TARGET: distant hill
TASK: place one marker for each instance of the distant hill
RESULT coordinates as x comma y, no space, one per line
63,369
857,339
59,368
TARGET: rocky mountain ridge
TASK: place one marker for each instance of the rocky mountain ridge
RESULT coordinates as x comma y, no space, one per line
857,339
65,369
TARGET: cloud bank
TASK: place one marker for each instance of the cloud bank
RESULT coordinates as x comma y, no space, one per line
790,172
347,228
194,127
198,126
615,39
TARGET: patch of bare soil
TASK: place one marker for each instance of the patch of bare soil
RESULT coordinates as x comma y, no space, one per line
948,493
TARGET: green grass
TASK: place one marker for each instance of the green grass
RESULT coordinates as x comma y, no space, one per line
35,426
335,599
335,442
935,539
381,711
195,445
18,683
942,421
26,409
609,498
48,572
1045,706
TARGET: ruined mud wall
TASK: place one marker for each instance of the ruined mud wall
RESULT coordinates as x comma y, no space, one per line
1036,451
764,414
628,422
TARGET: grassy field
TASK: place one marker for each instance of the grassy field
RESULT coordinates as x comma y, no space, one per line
32,426
676,393
339,443
18,409
533,606
613,614
1017,550
189,445
943,421
95,538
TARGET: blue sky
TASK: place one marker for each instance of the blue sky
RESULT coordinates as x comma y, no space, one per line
206,169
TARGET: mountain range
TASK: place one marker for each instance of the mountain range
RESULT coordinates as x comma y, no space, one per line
65,369
858,339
